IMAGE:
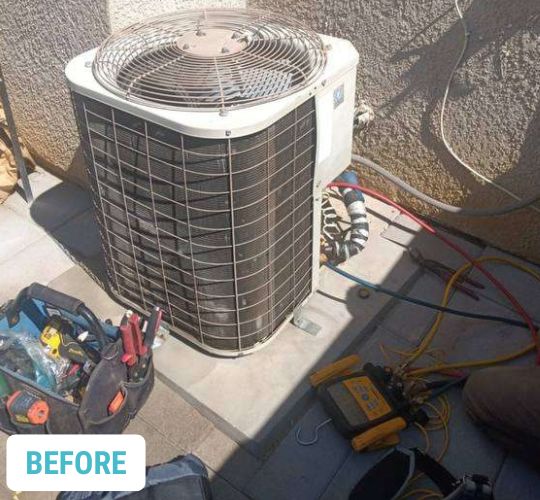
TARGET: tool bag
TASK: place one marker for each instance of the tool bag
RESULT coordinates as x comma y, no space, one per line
29,313
183,478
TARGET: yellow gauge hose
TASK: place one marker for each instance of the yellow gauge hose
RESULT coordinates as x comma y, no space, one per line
427,340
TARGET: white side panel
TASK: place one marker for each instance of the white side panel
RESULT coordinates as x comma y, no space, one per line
335,113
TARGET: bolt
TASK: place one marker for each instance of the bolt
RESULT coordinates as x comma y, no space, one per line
227,133
200,33
185,46
363,293
224,50
87,64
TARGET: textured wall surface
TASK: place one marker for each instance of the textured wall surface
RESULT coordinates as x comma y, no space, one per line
125,12
407,51
37,39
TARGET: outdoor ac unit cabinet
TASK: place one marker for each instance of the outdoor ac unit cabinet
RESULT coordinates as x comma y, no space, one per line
209,136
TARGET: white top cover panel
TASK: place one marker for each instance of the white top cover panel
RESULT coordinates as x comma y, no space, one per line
341,57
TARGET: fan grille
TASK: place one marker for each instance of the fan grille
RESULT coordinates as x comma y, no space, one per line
210,59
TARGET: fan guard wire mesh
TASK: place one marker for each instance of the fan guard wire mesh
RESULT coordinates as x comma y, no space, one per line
210,59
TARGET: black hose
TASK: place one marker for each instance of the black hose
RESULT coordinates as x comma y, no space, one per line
466,212
423,303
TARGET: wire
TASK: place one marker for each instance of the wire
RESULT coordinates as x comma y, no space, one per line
300,441
443,109
425,492
424,225
443,417
419,302
461,211
427,340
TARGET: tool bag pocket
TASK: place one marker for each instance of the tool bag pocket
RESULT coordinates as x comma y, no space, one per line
105,404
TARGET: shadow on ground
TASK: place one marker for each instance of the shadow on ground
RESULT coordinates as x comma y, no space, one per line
66,212
279,468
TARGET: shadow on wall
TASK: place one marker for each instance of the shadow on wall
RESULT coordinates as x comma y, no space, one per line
490,25
407,51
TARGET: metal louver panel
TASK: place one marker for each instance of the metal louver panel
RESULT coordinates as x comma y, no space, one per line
216,232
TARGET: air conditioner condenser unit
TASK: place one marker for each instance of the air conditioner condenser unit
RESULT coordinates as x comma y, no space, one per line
209,137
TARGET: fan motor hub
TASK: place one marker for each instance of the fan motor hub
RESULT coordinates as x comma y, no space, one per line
211,42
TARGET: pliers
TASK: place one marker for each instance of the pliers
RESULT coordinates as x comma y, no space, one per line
445,273
136,351
132,340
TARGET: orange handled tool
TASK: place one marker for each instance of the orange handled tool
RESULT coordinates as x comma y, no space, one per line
26,408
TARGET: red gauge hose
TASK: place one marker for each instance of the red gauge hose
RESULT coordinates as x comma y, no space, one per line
430,229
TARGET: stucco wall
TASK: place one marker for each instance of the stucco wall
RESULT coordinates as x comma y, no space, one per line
37,39
407,50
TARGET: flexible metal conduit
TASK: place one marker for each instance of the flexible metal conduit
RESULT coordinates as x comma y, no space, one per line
356,208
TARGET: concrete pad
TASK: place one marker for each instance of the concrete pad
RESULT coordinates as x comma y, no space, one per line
222,454
252,398
59,204
40,181
468,339
222,489
80,238
328,469
42,261
80,235
523,286
16,233
5,492
354,467
295,472
470,450
517,480
78,283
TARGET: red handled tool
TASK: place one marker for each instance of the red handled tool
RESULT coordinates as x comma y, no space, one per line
136,352
132,338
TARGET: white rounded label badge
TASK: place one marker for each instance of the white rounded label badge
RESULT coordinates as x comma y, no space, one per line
75,462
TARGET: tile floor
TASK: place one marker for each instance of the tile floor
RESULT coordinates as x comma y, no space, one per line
56,242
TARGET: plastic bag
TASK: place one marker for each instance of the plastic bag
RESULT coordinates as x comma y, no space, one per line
23,354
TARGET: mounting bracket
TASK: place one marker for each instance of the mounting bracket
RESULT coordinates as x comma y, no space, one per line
305,324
